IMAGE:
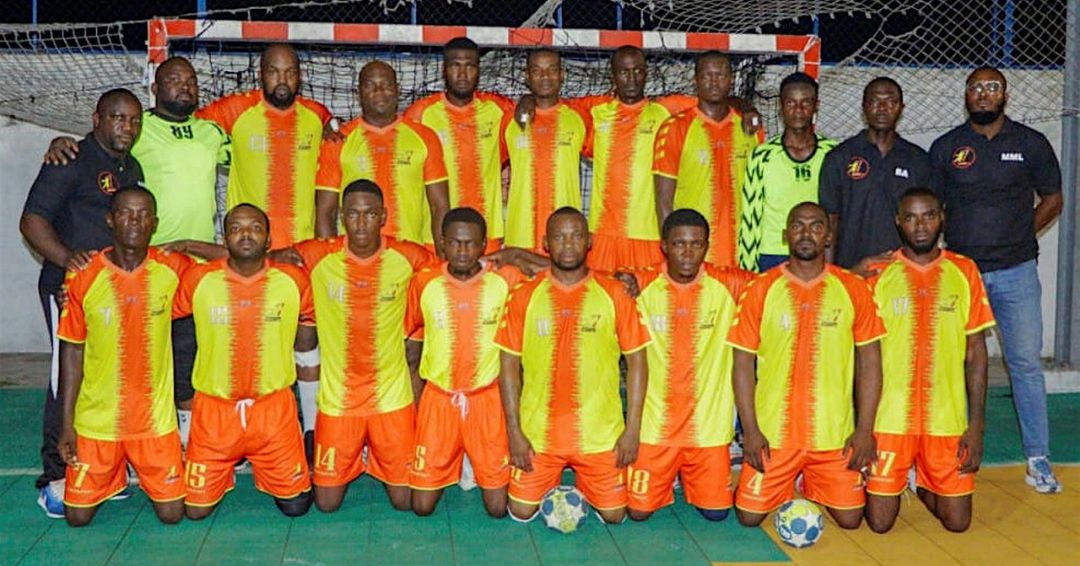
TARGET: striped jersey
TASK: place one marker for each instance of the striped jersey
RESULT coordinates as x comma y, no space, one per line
707,160
545,175
804,334
690,401
275,157
245,326
774,184
457,321
123,319
569,339
360,304
472,139
929,311
402,158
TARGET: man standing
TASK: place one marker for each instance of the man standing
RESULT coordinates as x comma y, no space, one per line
700,158
404,158
567,328
63,220
689,414
545,155
933,398
807,377
988,171
116,369
863,177
276,135
781,173
249,312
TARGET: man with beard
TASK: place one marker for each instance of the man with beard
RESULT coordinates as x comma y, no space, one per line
63,220
276,135
403,157
807,379
863,177
179,155
781,173
988,171
933,398
700,158
567,328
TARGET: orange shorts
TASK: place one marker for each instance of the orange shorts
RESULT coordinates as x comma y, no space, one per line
612,253
826,480
263,430
448,425
595,475
339,444
705,474
102,469
937,467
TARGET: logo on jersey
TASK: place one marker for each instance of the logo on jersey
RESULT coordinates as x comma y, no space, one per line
949,303
901,172
107,182
1014,156
858,168
963,157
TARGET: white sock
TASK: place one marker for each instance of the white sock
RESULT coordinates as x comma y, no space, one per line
183,422
308,391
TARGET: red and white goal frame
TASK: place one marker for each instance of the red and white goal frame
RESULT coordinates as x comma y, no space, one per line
806,48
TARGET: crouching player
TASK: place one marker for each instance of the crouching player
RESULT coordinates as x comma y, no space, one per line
689,414
116,368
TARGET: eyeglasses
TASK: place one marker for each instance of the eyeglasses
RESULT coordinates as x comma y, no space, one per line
988,87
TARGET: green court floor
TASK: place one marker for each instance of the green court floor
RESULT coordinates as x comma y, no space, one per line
248,529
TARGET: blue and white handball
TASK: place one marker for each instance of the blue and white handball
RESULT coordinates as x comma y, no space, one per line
799,523
564,509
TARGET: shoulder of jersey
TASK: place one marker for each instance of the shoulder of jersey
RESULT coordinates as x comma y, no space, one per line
422,104
313,105
288,269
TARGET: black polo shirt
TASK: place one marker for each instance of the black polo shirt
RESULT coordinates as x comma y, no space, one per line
989,190
864,188
74,199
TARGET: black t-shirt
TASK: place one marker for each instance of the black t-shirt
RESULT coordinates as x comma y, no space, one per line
864,188
989,191
74,199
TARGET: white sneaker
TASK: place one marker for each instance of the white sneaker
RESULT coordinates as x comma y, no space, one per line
468,476
1041,477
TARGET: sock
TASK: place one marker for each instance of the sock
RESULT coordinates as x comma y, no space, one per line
308,390
183,421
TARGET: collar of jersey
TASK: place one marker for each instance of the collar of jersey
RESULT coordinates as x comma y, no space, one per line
900,255
455,281
804,284
233,274
568,288
692,282
120,270
364,260
381,130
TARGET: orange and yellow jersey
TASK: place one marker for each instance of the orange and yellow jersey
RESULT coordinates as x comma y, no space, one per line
457,321
545,172
707,160
360,304
620,142
124,321
472,139
569,339
275,155
690,401
245,326
402,158
804,334
929,311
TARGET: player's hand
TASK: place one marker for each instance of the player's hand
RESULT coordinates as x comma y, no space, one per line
61,298
176,246
287,255
521,451
65,445
79,260
866,266
861,450
755,449
626,449
332,131
62,150
751,121
525,110
528,263
970,451
630,283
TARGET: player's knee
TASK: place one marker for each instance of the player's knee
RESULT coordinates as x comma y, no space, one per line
880,524
636,515
326,503
295,506
401,500
169,514
495,511
956,522
197,513
713,514
749,519
423,507
613,516
78,517
523,513
848,519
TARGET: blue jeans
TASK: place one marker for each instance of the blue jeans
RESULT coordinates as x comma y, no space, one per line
1015,296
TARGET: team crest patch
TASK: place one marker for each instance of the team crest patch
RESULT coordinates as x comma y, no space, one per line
963,157
107,182
858,168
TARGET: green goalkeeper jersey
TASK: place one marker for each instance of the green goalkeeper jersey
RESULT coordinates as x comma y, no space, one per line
179,160
774,184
